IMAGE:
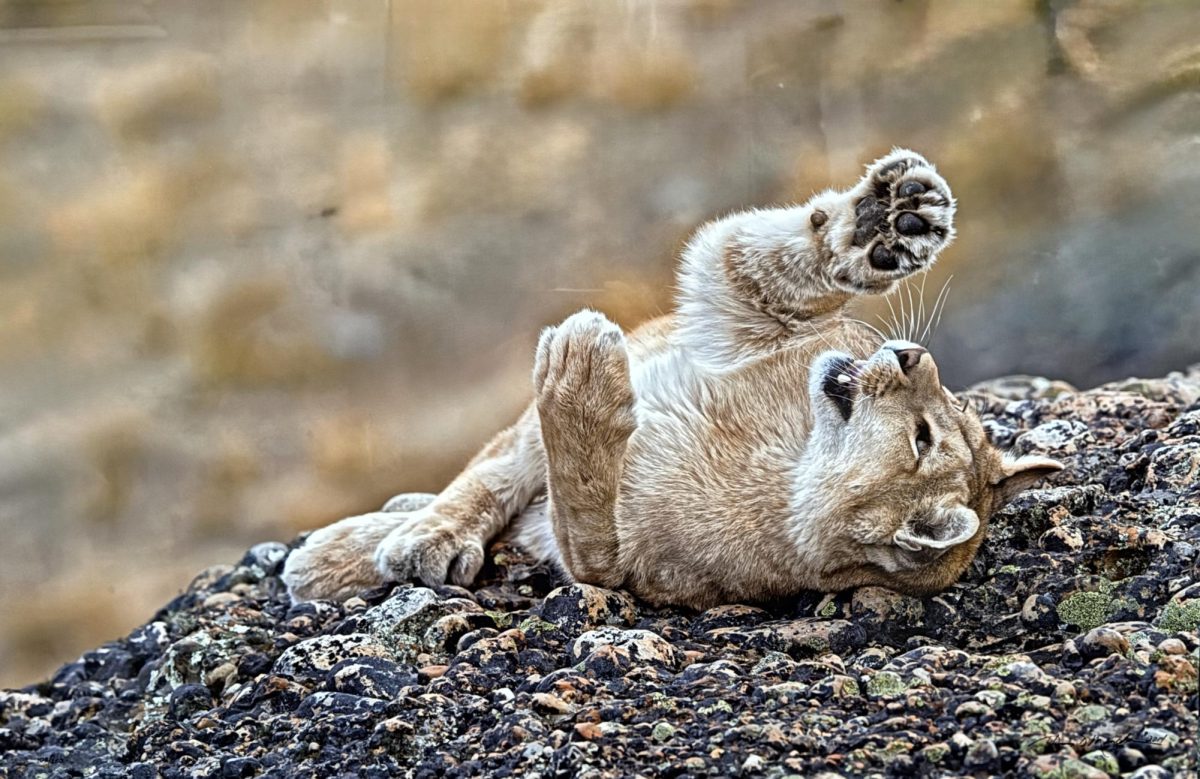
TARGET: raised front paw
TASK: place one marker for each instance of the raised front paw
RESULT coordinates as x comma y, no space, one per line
338,561
581,382
430,547
903,215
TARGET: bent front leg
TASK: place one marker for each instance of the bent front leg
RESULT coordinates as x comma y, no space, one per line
585,403
427,537
445,540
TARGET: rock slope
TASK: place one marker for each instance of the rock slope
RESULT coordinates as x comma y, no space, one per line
1069,649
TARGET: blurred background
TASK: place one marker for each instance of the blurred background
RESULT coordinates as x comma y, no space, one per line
264,263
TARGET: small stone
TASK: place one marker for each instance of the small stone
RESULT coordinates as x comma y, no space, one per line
467,640
834,686
443,635
1091,713
548,703
219,599
982,753
883,605
1105,761
370,677
1130,759
401,622
589,731
340,704
1033,702
1172,646
1058,437
220,677
1157,740
240,768
1039,610
312,659
1152,772
1176,672
752,765
643,646
188,700
580,607
1059,767
1064,694
663,731
885,684
428,673
1102,641
1061,539
972,709
936,753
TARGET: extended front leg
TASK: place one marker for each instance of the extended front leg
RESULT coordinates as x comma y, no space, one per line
445,540
585,402
426,537
750,279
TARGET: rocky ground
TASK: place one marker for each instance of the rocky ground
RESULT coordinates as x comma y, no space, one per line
1069,649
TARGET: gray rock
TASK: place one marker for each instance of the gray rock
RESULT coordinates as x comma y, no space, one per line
311,661
642,645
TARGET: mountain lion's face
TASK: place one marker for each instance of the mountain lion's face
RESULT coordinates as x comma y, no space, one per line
913,472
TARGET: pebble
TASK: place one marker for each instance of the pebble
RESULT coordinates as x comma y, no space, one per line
527,676
1103,641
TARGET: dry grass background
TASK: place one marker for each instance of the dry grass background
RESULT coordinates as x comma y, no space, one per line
263,264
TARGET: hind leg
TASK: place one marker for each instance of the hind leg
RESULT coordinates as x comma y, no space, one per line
585,402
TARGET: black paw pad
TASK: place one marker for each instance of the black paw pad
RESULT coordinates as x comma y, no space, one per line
910,188
882,258
869,215
896,166
911,224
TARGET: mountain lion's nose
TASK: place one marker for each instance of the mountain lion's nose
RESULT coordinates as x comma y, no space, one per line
909,357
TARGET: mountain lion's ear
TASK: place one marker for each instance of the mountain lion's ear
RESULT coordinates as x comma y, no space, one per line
1021,473
930,535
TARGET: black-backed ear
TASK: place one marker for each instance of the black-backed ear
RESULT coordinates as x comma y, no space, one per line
928,536
1020,473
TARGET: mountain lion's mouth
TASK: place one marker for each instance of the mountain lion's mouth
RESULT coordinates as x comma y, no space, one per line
839,385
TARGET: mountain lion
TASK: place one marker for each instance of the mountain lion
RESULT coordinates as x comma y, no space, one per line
754,443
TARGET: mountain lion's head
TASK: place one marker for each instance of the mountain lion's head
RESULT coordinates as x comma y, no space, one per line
907,471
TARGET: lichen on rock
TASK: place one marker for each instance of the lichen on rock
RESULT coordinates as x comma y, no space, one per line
1068,649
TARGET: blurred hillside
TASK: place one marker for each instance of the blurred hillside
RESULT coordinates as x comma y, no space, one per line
264,264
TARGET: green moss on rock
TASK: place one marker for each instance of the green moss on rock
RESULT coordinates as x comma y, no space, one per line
1085,610
1179,617
885,683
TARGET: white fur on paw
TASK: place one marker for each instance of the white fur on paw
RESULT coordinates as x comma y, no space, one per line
582,368
430,548
409,501
337,561
585,338
905,214
902,216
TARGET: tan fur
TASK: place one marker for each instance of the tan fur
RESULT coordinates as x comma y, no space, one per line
704,458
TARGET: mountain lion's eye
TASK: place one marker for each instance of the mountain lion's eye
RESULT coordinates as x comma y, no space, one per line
924,438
